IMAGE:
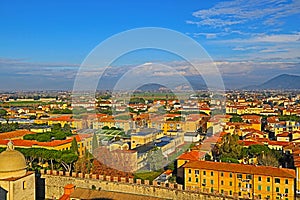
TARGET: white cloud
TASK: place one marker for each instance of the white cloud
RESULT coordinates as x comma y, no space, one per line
278,38
228,13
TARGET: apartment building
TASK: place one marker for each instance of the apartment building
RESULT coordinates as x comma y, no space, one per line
239,180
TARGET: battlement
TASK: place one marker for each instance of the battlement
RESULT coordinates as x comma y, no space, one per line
56,180
112,179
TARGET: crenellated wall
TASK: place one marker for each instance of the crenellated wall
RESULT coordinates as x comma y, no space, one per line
56,180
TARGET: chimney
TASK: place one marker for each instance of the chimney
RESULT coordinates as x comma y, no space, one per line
69,189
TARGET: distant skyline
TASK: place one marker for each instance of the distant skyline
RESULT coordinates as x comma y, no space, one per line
42,44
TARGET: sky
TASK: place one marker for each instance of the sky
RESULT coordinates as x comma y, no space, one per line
43,43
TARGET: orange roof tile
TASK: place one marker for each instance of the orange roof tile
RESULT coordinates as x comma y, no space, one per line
15,134
284,134
191,156
249,143
62,118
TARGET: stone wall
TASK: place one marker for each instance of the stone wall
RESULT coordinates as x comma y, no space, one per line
56,180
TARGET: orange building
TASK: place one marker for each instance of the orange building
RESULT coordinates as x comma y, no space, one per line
239,180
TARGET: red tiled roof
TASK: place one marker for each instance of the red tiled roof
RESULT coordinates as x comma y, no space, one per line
241,168
249,143
62,118
168,172
54,143
30,143
15,134
278,143
284,134
251,117
191,156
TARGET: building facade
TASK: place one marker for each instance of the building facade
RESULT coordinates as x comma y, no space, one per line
239,180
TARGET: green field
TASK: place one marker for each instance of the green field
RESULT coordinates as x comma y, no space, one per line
147,175
22,103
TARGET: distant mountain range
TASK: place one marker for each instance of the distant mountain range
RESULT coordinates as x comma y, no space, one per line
281,82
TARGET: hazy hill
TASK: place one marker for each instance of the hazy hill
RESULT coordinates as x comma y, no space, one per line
283,81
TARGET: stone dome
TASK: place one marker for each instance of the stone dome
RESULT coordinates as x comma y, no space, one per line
12,163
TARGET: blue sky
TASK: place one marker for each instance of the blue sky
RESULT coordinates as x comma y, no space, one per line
46,41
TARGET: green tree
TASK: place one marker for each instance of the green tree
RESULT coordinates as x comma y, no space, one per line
155,159
95,143
56,127
256,150
268,159
230,147
67,161
229,160
43,138
74,146
207,157
59,136
30,137
3,112
236,118
67,129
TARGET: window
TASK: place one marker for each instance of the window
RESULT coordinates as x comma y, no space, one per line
230,175
190,171
259,178
230,192
268,188
240,194
204,172
204,181
240,185
222,174
230,183
259,187
222,191
268,179
211,190
248,176
277,180
286,190
222,182
24,185
211,173
197,180
239,175
196,171
286,181
277,189
212,182
190,179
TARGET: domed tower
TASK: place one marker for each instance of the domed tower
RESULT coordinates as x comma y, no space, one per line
12,163
15,181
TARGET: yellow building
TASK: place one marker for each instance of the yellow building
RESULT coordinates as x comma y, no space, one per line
125,125
145,136
239,180
66,119
172,126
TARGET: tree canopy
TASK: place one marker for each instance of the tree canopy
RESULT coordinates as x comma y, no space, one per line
229,147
